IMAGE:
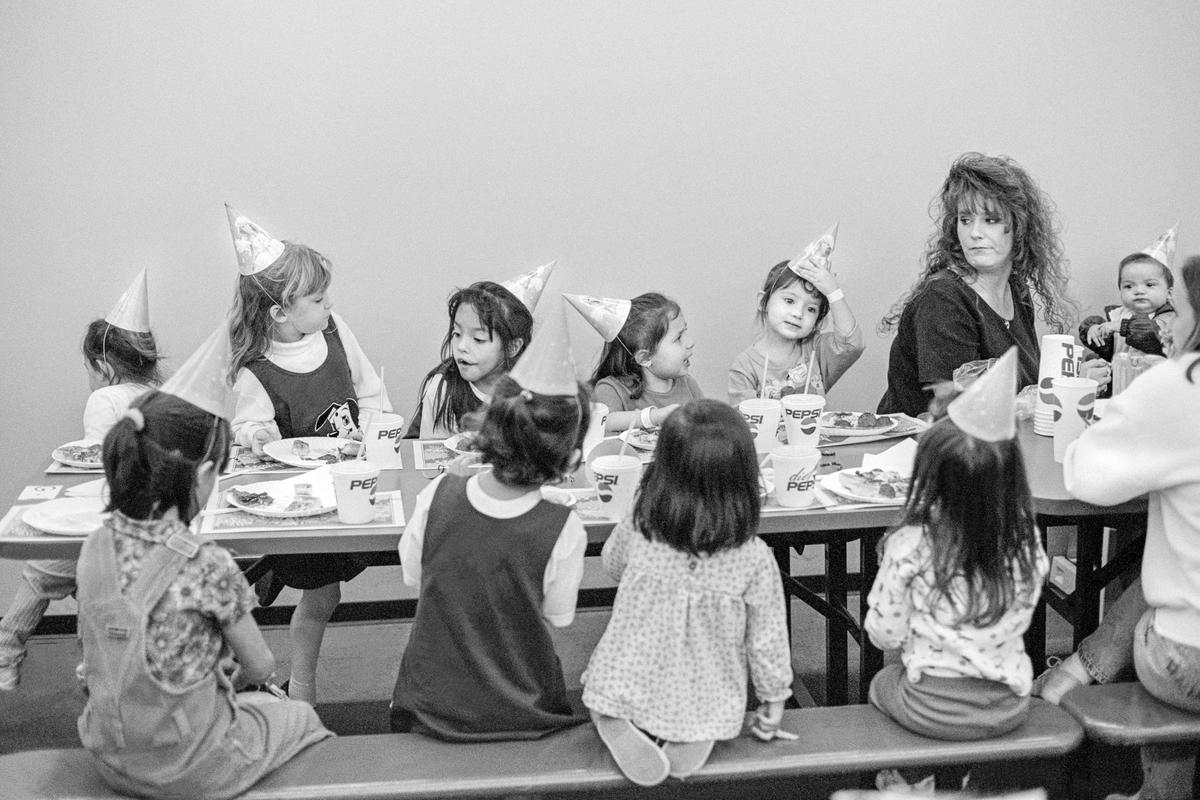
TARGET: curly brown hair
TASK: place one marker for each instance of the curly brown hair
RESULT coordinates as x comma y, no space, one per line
1038,263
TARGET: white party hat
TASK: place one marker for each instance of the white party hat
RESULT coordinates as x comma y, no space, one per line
528,286
132,311
606,314
256,249
819,252
547,366
1163,249
987,409
203,380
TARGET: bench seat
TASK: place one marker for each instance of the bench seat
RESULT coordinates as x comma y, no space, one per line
1125,714
833,741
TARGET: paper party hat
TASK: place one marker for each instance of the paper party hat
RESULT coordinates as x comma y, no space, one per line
547,366
606,314
1163,249
987,409
819,252
256,249
132,311
203,380
528,286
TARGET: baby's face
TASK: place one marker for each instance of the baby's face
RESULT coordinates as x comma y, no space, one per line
1143,286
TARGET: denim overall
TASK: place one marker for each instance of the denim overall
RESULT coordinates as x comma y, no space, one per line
151,739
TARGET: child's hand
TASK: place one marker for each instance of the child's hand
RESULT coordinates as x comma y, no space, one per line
261,437
766,722
1098,370
659,415
825,281
1099,333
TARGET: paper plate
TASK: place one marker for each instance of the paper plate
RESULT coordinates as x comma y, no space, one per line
833,483
461,443
283,497
563,497
641,438
67,516
829,429
73,454
283,450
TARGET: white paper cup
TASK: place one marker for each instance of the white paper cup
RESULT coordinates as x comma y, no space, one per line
1076,400
354,485
763,417
795,474
383,438
1060,359
617,479
595,431
802,418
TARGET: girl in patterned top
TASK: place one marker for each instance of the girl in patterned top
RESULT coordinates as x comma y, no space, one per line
700,604
165,624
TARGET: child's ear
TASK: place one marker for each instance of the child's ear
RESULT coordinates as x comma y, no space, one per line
642,357
514,347
278,315
576,460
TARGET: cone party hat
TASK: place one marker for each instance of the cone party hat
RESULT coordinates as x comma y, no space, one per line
987,409
528,286
819,252
203,380
132,311
547,366
606,314
1163,249
256,249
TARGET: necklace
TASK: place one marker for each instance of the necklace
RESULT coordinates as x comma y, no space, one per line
996,301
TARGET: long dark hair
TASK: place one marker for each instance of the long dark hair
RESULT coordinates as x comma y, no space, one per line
700,495
122,355
530,438
650,315
999,184
972,499
504,317
150,456
1191,288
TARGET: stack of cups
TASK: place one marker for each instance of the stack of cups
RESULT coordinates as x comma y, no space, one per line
1077,400
1060,359
802,418
762,414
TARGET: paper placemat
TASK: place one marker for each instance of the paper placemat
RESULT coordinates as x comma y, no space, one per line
242,461
56,468
12,526
389,512
432,454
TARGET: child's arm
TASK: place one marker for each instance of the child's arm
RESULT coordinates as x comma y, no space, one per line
767,647
412,541
889,608
429,429
744,376
615,554
254,418
1097,333
839,310
564,572
1144,333
99,414
372,397
255,660
620,416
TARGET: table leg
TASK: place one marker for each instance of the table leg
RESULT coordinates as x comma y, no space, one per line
1035,636
836,650
783,558
1089,547
870,657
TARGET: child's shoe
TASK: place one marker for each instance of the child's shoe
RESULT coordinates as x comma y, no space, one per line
890,780
10,672
636,754
687,757
1055,682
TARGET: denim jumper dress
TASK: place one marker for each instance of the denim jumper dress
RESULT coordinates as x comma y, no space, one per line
151,739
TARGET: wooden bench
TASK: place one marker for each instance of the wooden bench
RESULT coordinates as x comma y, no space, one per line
844,740
1125,715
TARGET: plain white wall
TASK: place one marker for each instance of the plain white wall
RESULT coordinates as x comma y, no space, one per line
681,146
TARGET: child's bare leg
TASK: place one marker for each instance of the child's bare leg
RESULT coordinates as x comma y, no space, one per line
312,613
687,757
41,582
637,756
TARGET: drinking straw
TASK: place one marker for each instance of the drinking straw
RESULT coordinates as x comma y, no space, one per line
762,390
808,377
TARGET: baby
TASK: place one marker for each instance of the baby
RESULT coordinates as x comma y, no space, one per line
1141,325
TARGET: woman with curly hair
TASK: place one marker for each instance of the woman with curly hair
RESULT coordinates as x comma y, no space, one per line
993,262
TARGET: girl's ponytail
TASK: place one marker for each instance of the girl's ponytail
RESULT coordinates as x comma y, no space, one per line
531,438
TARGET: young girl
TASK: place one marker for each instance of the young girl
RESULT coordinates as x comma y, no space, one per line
791,306
161,612
489,328
699,604
959,578
643,373
298,371
121,365
495,563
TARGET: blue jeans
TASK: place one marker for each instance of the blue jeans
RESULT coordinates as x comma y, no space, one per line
1107,654
41,582
1170,671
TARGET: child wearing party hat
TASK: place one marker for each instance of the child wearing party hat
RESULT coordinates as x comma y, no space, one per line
1141,324
961,574
497,564
490,326
644,371
161,610
121,358
793,354
298,371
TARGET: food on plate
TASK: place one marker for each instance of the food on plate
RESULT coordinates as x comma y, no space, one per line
89,454
301,503
643,438
252,498
346,452
881,483
300,448
864,420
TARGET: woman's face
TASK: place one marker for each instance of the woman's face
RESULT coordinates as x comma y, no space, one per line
986,238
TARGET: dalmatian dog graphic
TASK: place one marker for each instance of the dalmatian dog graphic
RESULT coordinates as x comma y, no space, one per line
340,420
